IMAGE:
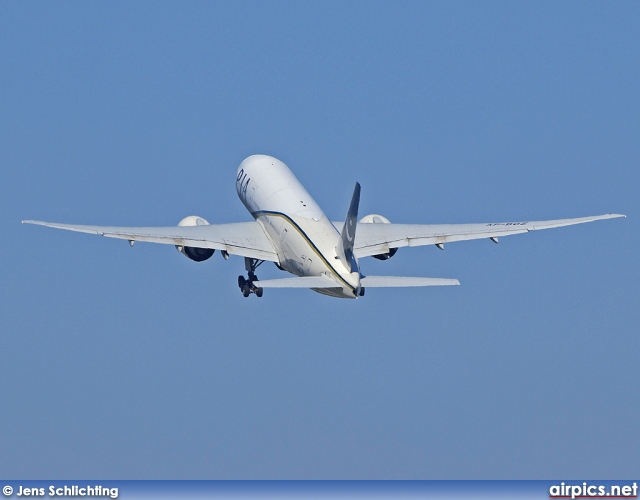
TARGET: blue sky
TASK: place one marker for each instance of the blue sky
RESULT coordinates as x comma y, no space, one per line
138,363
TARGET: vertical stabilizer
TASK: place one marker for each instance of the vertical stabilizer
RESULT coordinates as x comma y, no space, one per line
348,236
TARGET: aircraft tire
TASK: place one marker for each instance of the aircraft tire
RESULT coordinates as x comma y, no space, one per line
246,290
241,281
259,292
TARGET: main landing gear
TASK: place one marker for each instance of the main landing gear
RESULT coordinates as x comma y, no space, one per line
247,286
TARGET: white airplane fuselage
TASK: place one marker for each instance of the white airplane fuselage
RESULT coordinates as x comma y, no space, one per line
291,230
304,238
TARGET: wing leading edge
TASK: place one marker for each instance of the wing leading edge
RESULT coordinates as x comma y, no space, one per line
247,239
373,239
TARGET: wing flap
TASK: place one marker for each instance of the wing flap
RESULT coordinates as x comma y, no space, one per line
247,239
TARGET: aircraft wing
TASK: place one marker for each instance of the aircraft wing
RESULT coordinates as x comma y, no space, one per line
374,239
247,239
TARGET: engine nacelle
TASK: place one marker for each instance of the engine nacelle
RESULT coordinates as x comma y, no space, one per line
379,219
194,253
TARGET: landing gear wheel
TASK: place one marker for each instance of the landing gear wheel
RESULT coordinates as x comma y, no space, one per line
247,286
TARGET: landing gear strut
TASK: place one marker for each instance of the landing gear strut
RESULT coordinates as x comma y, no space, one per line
247,286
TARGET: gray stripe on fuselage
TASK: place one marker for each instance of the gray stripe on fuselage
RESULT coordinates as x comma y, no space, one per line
304,235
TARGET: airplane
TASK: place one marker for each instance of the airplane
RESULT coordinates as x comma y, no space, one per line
291,230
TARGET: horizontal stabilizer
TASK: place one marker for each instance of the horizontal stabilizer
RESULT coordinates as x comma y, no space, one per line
302,282
402,281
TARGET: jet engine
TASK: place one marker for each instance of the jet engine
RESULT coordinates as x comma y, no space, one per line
194,253
379,219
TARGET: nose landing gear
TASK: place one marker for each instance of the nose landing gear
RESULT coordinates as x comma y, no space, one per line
247,286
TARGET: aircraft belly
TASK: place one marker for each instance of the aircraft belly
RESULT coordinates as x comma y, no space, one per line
341,293
304,248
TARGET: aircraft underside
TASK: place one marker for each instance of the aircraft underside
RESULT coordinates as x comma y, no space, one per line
291,230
